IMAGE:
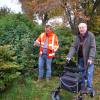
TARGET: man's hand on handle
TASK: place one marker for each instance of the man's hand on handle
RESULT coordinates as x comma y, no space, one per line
51,50
36,44
90,62
68,59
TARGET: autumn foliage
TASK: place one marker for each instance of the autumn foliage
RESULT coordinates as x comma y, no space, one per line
72,11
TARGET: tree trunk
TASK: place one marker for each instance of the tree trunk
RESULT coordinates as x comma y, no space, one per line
44,19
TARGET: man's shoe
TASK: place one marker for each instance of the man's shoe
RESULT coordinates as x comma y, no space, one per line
47,79
39,79
88,91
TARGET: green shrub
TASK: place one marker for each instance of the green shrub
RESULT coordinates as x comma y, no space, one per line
65,39
8,67
13,28
19,31
29,54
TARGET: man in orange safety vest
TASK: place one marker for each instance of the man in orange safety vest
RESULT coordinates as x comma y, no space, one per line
48,46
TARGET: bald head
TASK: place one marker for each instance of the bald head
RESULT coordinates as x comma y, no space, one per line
82,28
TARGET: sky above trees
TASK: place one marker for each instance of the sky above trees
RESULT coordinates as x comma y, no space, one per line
14,5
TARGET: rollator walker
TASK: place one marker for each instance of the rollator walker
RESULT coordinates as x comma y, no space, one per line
71,81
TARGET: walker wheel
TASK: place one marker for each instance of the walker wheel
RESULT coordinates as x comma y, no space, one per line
55,95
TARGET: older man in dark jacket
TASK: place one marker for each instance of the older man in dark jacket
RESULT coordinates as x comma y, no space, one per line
85,47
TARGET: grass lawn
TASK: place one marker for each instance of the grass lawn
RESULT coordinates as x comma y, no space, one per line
41,90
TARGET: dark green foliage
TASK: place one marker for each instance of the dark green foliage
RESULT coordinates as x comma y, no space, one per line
13,28
97,58
65,39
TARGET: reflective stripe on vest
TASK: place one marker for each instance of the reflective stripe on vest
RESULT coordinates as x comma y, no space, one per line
52,54
42,35
37,41
40,52
53,42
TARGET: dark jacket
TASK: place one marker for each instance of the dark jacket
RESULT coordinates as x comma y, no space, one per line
89,48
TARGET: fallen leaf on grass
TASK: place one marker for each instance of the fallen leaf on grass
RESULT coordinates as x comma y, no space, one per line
18,97
19,92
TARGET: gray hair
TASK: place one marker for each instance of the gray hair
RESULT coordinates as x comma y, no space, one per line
84,24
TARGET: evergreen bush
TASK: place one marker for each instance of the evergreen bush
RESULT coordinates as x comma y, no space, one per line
8,67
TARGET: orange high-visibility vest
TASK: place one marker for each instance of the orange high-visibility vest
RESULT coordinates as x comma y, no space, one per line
52,43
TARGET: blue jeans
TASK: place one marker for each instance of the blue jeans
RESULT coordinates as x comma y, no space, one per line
89,74
42,60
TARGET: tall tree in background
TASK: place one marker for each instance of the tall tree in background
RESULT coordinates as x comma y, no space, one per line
72,11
